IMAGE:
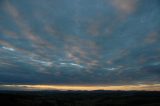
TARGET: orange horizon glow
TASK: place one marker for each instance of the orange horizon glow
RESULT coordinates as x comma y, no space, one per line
152,87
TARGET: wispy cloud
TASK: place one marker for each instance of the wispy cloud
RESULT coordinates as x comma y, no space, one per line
8,48
71,64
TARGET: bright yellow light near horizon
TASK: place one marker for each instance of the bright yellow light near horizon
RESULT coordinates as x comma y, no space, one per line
151,87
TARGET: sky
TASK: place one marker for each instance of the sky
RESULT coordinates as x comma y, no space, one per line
80,44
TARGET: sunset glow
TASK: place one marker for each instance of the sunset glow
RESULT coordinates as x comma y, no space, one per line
141,87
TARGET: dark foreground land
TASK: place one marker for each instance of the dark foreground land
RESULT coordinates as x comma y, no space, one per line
79,98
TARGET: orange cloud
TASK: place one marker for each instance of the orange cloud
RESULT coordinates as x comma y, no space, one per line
151,38
124,6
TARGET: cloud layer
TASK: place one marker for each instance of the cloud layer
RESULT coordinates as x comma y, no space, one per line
80,42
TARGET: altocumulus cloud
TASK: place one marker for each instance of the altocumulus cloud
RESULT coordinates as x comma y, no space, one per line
79,42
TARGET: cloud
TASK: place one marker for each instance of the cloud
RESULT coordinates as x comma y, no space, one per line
45,63
111,69
71,64
8,48
51,42
125,6
152,38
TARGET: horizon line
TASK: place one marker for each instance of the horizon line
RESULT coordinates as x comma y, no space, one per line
30,87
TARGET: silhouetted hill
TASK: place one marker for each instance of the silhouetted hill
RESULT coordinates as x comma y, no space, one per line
79,98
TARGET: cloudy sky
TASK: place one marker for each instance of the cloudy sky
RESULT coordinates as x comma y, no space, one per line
95,43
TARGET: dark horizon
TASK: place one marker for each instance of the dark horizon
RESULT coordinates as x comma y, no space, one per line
80,98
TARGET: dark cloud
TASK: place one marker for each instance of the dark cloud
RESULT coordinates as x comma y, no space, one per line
83,42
